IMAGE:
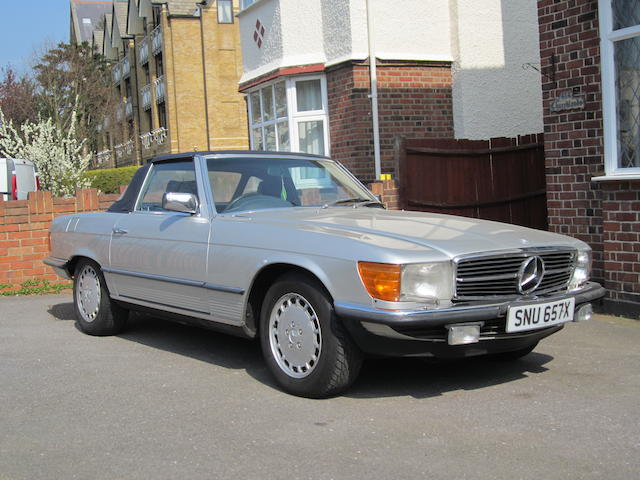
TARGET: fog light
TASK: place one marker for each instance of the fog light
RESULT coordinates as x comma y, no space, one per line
464,333
584,313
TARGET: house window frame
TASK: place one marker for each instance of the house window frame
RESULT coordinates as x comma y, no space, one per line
294,117
228,4
608,39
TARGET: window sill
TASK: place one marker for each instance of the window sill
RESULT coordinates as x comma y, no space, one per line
614,178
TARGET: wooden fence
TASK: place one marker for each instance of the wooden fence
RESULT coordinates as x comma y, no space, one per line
501,179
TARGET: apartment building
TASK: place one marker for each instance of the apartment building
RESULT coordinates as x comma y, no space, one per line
176,66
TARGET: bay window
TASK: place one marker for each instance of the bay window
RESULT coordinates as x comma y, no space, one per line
290,115
620,52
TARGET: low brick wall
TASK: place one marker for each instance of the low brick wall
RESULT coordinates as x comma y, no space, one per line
24,226
388,191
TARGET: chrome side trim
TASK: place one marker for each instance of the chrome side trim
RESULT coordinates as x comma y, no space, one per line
173,309
136,299
223,288
179,281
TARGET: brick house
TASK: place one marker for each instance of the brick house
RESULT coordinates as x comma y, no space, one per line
444,68
590,54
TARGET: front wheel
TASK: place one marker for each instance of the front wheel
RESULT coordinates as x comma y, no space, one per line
97,314
304,345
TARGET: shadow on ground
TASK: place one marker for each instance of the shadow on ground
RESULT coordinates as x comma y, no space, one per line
416,377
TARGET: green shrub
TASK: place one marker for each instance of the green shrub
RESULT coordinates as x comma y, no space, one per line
109,180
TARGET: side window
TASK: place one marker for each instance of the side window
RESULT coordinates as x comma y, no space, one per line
167,177
224,185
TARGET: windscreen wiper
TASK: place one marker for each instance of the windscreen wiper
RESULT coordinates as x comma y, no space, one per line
357,202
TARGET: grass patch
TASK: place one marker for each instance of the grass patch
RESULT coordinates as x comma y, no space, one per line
33,287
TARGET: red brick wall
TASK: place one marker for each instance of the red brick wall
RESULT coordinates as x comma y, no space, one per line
388,191
602,214
24,226
414,100
621,211
573,138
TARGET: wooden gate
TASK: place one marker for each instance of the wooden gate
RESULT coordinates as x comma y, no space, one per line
500,179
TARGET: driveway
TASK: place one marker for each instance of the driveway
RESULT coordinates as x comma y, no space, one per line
165,401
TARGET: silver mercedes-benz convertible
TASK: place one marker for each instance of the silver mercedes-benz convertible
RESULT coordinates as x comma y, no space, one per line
292,249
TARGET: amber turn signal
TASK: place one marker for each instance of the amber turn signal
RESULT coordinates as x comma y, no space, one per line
382,280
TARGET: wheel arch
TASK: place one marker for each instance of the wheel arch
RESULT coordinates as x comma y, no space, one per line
263,279
78,256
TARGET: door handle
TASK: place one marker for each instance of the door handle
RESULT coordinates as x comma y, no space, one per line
119,231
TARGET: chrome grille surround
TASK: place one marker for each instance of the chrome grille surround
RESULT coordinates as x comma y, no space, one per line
498,275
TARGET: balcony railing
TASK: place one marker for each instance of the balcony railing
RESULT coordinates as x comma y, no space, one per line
126,67
156,40
157,136
123,149
128,108
158,84
143,51
116,73
145,95
103,157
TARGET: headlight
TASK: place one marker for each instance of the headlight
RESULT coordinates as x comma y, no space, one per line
417,282
426,281
582,269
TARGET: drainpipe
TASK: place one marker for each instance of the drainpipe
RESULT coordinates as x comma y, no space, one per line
374,91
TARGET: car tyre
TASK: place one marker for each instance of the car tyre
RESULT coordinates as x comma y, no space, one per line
97,314
304,344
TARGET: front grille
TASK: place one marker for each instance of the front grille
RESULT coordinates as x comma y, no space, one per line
486,277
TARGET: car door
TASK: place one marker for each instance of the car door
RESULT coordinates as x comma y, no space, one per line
158,258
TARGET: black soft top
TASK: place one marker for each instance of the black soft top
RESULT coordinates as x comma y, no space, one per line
126,202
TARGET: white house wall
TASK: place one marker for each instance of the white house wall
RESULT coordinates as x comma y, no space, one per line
302,38
304,32
489,42
495,93
404,30
257,61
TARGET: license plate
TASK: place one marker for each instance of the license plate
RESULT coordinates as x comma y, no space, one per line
540,315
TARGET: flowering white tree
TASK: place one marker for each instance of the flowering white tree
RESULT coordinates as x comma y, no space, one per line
57,155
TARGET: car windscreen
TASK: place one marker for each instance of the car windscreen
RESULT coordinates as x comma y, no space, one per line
254,183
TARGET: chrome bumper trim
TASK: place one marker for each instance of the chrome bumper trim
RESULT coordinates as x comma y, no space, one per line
59,266
466,313
55,262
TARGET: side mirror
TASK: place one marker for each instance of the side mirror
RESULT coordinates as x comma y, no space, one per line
180,202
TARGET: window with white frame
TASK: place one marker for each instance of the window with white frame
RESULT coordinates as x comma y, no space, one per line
290,115
225,11
620,53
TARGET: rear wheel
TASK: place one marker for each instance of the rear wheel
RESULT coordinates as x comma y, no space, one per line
304,345
97,314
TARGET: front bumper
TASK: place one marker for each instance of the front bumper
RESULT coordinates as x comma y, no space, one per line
423,332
